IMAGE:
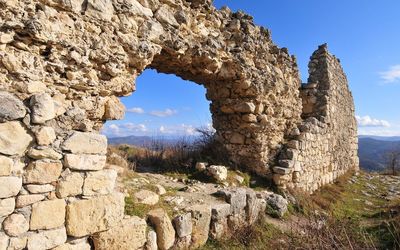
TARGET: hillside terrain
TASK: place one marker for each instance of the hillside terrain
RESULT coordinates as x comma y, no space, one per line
373,151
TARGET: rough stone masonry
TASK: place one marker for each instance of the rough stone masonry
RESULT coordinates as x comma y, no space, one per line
64,63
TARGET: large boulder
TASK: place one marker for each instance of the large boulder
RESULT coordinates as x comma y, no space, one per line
85,217
11,108
14,139
219,173
7,206
129,234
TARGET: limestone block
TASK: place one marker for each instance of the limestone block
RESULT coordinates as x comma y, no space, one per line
7,206
280,170
85,143
6,37
219,173
11,108
25,200
201,219
100,182
42,172
6,165
48,214
39,189
43,108
114,109
236,198
10,186
45,136
160,190
146,197
85,161
47,239
44,153
70,185
15,225
183,225
219,220
253,207
86,217
129,234
165,231
14,138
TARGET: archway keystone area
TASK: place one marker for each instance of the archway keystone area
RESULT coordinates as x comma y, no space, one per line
63,65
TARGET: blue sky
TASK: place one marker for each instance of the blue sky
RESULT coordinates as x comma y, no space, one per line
365,35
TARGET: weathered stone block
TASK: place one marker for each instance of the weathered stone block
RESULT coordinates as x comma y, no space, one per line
86,217
11,108
6,165
48,214
15,225
146,197
129,234
45,136
183,225
46,239
165,231
25,200
85,161
42,172
7,206
201,218
10,186
14,139
99,182
43,108
85,143
70,185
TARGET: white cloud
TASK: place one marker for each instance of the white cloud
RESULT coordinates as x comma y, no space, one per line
367,121
163,113
125,129
391,75
379,132
181,129
136,110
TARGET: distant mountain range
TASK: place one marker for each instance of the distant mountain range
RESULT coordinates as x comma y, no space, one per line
372,150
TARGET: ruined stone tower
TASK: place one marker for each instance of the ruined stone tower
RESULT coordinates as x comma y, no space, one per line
63,65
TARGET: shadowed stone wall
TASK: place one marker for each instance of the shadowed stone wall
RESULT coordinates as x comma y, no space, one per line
63,65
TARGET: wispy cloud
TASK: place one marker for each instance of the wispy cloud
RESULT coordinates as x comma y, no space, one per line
136,110
367,121
163,113
391,75
182,129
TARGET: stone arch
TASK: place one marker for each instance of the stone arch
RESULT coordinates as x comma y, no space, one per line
65,63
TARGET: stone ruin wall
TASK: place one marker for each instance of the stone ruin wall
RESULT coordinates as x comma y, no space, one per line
63,65
325,144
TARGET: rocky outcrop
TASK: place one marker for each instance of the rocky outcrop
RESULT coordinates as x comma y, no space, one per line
63,65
